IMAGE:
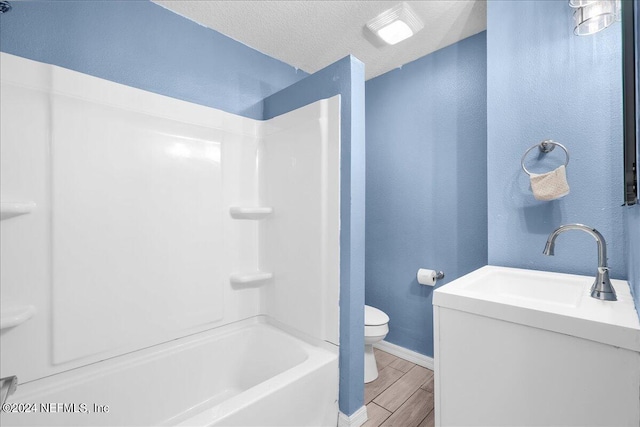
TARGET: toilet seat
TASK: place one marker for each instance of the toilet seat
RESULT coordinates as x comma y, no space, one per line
376,328
374,316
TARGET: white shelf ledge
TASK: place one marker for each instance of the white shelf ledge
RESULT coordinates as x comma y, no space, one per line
9,210
243,279
250,213
14,316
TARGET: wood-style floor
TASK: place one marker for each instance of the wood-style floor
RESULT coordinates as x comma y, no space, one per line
401,396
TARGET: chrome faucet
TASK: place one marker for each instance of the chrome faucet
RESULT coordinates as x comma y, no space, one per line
601,288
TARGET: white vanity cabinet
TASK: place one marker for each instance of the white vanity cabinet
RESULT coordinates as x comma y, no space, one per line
509,351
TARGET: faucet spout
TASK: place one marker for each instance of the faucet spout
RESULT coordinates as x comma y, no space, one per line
602,288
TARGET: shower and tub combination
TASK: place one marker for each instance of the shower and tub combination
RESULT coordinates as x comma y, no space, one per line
165,263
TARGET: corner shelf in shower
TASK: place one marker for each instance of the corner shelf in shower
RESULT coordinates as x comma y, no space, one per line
11,316
238,212
248,278
9,210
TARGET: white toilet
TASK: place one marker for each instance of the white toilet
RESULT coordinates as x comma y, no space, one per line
376,327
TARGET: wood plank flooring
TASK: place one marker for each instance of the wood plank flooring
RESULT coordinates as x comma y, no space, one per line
401,396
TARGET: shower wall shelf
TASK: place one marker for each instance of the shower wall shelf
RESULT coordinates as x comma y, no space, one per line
254,277
9,210
15,315
250,212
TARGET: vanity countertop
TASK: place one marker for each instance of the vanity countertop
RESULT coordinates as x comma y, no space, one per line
556,302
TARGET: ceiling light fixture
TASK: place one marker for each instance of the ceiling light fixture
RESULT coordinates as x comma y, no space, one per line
591,16
396,24
580,3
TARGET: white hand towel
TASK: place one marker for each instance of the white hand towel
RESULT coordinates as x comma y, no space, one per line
551,185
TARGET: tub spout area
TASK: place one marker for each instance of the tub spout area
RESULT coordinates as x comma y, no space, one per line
8,386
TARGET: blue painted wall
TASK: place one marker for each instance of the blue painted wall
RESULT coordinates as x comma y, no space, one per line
544,82
140,44
426,183
345,77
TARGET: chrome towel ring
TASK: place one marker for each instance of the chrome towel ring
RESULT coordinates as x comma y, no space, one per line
545,146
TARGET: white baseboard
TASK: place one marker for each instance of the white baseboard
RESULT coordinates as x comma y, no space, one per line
406,354
355,420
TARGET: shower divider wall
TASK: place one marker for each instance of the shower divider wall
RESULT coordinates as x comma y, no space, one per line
155,219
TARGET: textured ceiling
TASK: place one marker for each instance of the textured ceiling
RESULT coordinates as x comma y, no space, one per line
310,35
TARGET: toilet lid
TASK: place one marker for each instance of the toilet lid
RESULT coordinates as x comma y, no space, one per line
374,317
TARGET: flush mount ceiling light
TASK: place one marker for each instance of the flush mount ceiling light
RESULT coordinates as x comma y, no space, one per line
396,24
591,16
581,3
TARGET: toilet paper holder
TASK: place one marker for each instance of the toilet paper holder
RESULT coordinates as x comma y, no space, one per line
429,277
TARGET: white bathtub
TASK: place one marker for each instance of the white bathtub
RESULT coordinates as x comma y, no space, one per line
246,374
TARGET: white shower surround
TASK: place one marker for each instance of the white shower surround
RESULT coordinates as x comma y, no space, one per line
131,242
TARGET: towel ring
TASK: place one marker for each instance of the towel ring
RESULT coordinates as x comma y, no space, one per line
545,146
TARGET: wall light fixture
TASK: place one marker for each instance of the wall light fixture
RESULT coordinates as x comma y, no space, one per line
591,16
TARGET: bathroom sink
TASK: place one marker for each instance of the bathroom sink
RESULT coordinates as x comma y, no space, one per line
510,341
553,301
528,287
